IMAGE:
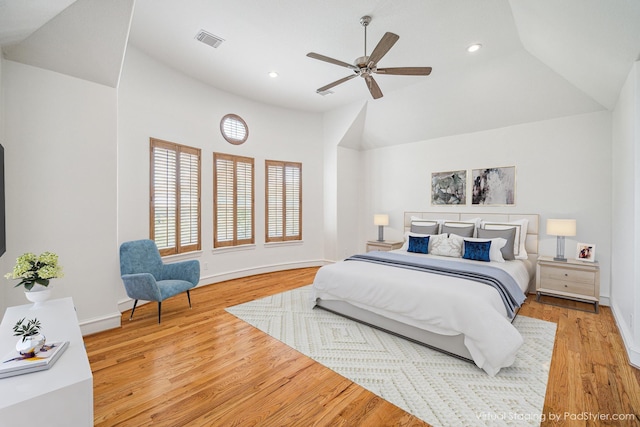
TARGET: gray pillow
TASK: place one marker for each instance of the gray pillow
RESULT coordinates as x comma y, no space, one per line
424,229
466,231
509,234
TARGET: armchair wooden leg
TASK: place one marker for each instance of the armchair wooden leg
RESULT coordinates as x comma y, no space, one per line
189,297
133,309
159,310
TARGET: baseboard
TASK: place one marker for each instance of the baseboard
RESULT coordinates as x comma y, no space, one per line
229,275
99,324
127,303
633,351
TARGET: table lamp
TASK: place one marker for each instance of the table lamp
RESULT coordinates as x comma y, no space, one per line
561,228
381,220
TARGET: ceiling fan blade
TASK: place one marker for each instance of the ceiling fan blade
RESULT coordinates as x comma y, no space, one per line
373,87
405,71
387,41
331,60
336,83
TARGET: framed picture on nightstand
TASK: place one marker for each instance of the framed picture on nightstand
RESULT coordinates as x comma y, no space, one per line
586,252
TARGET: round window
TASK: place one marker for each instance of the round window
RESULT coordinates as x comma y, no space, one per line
234,129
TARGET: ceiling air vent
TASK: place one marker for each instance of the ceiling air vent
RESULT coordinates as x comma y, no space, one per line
208,38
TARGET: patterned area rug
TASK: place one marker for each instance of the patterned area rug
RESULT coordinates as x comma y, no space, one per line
439,389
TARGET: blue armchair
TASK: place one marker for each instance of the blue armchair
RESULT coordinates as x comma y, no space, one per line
147,278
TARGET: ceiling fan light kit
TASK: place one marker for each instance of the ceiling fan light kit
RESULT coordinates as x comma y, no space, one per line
367,65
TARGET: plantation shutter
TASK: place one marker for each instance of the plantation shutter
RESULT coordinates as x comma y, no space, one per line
189,199
275,202
283,201
293,192
233,200
175,197
164,195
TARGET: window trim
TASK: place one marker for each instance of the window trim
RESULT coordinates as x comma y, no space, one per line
235,241
230,139
283,237
177,148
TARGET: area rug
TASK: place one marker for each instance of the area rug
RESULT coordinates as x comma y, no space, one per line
437,388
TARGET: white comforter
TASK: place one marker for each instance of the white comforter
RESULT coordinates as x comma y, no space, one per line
437,303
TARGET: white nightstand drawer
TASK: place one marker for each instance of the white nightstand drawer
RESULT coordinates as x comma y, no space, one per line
375,245
570,275
565,285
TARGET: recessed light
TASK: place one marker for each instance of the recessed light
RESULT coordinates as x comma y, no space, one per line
273,74
474,48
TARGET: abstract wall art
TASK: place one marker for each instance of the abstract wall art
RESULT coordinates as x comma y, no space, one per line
449,188
494,186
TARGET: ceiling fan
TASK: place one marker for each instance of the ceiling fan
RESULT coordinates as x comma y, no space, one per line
366,66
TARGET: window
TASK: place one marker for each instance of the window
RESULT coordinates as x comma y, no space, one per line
283,201
233,208
234,129
175,197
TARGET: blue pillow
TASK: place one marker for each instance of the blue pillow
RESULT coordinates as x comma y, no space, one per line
418,245
478,251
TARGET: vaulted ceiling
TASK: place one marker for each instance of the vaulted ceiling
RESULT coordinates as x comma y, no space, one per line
540,59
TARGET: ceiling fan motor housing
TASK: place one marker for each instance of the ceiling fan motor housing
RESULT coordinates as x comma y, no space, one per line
361,62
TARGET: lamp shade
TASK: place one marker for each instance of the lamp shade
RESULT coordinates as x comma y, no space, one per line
381,219
561,227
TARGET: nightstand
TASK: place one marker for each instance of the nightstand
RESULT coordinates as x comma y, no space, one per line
571,279
385,245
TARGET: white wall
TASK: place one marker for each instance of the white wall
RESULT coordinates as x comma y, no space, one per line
60,170
156,101
563,170
625,275
338,126
349,203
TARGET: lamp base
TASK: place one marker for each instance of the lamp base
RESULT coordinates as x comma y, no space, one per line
380,233
560,250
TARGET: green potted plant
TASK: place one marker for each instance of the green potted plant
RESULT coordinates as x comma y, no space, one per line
35,274
31,340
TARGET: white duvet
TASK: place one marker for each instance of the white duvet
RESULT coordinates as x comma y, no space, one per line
441,304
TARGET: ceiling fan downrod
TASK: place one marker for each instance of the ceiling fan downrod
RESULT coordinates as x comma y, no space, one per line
364,21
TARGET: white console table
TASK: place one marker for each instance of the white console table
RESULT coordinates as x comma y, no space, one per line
59,396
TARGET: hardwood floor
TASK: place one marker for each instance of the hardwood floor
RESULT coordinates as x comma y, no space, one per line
205,367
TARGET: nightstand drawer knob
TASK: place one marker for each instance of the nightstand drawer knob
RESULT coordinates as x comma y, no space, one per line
565,274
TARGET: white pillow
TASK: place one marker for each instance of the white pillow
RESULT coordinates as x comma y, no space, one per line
476,221
497,243
442,245
521,225
421,222
462,224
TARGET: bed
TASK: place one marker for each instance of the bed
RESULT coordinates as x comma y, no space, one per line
463,307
